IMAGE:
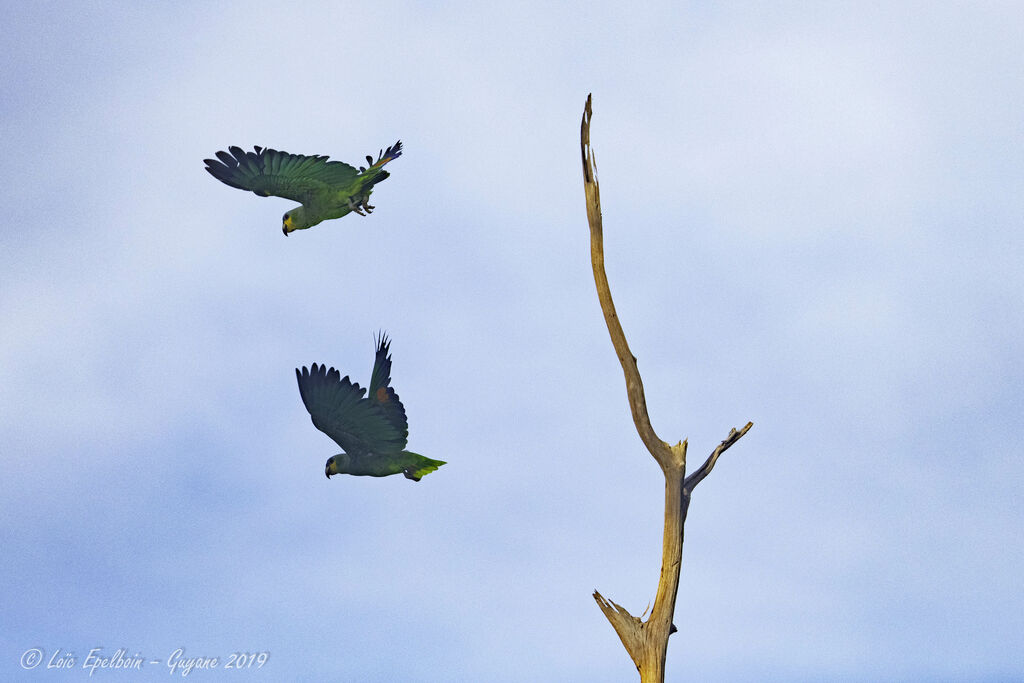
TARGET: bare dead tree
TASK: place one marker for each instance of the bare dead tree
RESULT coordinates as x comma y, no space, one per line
645,641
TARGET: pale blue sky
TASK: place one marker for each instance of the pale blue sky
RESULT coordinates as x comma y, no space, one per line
813,221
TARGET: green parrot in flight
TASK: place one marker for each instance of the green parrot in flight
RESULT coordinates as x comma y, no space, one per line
372,430
326,189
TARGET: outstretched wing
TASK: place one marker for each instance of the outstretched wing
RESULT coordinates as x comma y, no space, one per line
381,391
339,410
269,172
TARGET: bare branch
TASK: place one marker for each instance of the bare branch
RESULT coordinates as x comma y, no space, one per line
625,624
709,464
634,385
646,642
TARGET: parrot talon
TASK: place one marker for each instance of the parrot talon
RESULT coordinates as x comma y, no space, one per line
355,207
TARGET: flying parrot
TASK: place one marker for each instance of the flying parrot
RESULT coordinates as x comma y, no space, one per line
326,189
372,430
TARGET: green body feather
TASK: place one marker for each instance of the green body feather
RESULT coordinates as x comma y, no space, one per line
412,465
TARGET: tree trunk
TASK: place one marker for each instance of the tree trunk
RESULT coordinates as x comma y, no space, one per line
645,641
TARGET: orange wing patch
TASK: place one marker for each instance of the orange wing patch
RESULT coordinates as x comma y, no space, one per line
382,395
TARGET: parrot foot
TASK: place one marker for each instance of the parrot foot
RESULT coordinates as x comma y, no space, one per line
369,209
355,207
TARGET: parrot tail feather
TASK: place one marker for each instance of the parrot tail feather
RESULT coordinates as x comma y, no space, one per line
386,155
421,466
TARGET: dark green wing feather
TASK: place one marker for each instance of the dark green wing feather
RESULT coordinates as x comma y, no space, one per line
381,376
270,172
381,391
338,409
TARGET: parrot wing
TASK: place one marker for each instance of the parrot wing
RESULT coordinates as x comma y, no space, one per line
381,391
268,172
338,409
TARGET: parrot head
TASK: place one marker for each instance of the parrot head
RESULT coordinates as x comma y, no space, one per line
336,464
295,220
